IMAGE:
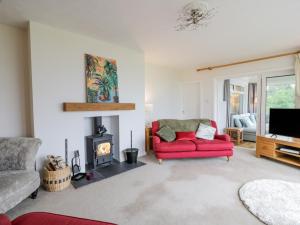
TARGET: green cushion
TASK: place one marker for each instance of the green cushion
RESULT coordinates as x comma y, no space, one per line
166,133
183,125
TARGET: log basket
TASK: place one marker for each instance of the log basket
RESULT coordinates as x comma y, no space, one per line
56,180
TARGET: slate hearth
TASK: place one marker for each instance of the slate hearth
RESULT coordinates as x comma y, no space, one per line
101,173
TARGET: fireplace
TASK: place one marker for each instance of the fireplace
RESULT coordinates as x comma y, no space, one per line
99,150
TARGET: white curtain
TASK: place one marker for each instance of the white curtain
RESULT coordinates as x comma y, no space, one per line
226,98
252,97
297,75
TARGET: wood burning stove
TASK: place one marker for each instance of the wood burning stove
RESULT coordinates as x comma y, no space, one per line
99,150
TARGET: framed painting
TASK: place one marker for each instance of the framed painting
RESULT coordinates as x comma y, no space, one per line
101,79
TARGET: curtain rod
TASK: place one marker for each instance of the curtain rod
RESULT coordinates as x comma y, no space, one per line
248,61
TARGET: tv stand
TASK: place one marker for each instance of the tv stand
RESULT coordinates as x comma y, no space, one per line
270,147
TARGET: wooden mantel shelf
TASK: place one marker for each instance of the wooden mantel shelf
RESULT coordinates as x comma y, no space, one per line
76,107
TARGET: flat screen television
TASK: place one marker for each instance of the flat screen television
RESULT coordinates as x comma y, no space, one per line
285,122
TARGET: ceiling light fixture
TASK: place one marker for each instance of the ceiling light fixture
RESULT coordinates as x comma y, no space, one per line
194,15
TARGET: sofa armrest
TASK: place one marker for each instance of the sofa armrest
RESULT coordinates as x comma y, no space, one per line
156,140
223,137
18,153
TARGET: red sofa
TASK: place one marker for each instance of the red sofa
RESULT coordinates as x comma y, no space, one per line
43,218
197,148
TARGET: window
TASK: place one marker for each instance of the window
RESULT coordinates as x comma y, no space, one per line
236,99
280,94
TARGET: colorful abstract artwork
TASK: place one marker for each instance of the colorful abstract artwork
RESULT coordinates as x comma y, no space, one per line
101,79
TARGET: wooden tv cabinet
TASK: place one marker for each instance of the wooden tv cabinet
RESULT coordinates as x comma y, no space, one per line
269,147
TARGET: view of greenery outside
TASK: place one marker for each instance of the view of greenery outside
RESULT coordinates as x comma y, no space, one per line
280,94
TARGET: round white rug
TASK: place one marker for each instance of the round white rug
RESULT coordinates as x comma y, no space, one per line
274,202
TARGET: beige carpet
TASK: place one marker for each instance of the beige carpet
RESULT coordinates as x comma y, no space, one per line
189,192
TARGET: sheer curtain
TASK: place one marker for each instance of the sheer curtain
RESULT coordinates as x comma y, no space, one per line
226,98
252,97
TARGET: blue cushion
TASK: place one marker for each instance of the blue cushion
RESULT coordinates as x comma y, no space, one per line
247,122
237,123
253,118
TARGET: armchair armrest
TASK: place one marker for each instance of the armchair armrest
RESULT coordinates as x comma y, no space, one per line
223,137
18,153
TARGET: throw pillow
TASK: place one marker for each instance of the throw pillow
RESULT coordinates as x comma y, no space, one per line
252,118
206,132
166,133
237,123
185,136
247,122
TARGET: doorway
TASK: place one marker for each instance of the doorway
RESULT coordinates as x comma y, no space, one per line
243,101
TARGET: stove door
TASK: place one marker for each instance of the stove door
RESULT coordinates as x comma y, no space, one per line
103,149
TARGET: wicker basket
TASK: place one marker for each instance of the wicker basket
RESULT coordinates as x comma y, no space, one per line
56,180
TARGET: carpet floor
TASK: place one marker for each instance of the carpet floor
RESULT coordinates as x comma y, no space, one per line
248,144
185,191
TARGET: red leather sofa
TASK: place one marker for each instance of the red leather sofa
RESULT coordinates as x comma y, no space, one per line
43,218
196,148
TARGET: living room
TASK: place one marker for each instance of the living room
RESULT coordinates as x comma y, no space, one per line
111,112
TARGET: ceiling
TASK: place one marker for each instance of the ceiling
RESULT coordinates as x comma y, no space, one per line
240,30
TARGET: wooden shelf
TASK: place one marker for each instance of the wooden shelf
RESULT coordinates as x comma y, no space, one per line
79,107
288,153
289,159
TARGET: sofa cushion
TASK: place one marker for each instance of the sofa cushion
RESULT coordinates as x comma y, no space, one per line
212,145
166,133
249,130
18,153
176,146
247,122
206,132
253,118
16,186
237,123
185,136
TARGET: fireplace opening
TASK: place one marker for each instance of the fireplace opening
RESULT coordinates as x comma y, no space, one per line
99,146
102,150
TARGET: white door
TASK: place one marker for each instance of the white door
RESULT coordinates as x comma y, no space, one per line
191,100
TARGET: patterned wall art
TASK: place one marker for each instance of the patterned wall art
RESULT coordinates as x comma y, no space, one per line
101,79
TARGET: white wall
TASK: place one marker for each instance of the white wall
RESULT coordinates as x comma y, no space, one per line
57,65
14,110
211,88
163,90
